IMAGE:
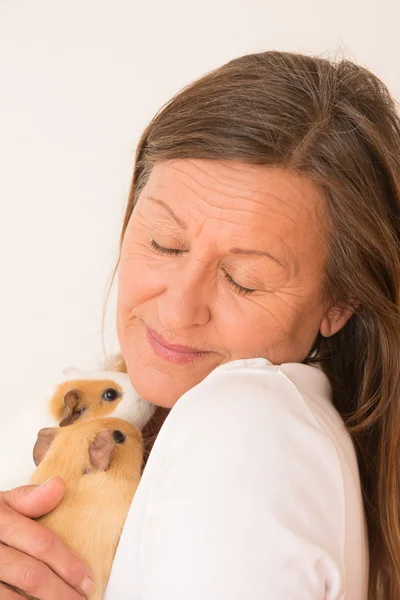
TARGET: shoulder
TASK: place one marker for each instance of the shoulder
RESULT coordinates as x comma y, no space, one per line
245,460
276,418
250,396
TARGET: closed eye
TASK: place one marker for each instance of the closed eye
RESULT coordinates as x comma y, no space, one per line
173,251
236,286
162,250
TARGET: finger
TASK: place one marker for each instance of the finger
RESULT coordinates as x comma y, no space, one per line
33,577
38,542
34,501
6,593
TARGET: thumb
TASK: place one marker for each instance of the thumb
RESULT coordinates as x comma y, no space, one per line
35,500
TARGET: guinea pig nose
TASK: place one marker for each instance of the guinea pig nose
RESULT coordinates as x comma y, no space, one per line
118,436
111,394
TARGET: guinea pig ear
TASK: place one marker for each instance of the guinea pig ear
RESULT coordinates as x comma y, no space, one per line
71,403
101,449
44,440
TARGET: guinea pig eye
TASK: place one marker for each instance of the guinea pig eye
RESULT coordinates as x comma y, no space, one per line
118,436
111,394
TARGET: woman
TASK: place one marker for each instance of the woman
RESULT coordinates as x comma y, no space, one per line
258,284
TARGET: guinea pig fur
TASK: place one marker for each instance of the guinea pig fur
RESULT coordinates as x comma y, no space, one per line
100,462
91,394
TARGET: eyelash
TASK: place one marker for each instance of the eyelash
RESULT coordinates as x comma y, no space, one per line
239,288
171,251
162,250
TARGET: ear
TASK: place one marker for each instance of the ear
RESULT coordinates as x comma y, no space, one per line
44,440
71,403
101,449
71,371
336,318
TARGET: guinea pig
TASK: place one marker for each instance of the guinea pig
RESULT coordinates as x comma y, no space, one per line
100,462
91,394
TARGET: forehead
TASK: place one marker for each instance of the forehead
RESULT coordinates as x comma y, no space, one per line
250,199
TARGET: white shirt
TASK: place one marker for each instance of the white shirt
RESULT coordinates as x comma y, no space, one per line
251,492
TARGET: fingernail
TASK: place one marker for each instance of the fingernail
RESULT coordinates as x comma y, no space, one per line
46,482
87,586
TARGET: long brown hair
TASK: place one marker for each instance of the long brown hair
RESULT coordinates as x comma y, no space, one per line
337,123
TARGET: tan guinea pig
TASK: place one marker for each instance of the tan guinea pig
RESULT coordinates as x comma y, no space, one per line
100,462
92,394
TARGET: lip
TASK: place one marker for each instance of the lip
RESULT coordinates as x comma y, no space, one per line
172,352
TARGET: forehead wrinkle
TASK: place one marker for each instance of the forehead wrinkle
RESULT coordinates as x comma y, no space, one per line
234,196
229,208
207,187
187,186
219,216
239,179
295,181
235,172
196,166
165,206
261,214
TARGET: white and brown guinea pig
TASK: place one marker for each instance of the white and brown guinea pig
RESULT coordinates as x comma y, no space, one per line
100,461
90,394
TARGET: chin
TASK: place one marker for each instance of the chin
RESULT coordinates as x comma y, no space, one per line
155,388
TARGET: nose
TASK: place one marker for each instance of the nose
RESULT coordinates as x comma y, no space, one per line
185,301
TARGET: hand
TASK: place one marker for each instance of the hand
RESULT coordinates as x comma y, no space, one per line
32,558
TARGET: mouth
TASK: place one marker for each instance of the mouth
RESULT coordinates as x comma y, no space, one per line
173,353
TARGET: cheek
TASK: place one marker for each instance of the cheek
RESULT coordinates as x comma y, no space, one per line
272,326
129,293
297,316
241,325
140,281
138,278
129,273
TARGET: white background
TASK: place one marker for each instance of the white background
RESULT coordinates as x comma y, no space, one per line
79,80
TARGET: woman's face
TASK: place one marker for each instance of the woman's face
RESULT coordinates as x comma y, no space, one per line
227,260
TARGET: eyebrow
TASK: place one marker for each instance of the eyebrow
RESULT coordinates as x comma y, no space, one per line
169,210
256,253
232,250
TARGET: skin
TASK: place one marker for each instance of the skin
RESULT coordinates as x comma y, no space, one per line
31,556
191,297
187,298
